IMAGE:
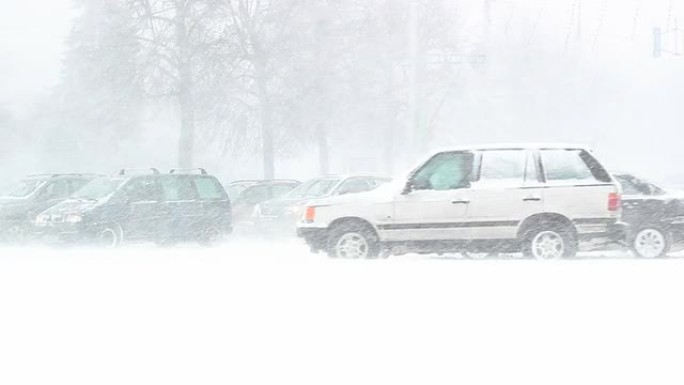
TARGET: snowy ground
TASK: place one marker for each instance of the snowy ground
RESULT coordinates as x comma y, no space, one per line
271,313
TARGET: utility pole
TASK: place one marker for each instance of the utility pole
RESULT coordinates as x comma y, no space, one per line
416,134
579,19
657,41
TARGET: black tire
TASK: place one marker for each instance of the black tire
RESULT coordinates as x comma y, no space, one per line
650,241
359,236
209,237
109,236
541,231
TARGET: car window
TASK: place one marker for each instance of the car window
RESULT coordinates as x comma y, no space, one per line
629,187
444,171
178,188
209,188
504,166
565,165
142,190
632,185
99,188
313,189
77,184
56,190
255,194
278,190
353,185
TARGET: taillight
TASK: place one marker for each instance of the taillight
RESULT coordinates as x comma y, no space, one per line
310,214
613,201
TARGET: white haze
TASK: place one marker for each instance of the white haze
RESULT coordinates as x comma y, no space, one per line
272,313
544,78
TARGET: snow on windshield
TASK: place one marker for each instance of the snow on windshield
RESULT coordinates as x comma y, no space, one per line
99,188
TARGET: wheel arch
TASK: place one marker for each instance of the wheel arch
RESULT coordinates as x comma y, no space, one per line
535,219
352,221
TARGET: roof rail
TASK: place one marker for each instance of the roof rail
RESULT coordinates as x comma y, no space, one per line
63,174
125,171
201,170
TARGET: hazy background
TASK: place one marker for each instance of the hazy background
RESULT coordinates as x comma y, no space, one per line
565,70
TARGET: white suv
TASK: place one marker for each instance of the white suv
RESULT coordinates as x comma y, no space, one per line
538,199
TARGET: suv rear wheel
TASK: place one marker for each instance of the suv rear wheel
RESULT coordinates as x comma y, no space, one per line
353,241
546,241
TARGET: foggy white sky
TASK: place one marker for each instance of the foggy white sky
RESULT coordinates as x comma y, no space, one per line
611,44
32,33
31,44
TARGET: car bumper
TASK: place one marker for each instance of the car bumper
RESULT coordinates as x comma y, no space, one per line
614,234
316,238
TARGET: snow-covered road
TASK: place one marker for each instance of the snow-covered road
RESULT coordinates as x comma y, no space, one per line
271,313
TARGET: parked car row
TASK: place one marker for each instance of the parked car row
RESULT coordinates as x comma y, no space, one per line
108,210
546,201
146,205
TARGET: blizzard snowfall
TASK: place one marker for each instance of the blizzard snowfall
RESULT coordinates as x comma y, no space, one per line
254,312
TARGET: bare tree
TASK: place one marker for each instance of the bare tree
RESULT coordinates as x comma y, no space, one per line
182,40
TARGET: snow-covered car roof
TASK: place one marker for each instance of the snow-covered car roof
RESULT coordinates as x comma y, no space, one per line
515,146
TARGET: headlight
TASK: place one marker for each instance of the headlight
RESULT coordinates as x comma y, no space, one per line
294,210
41,219
73,218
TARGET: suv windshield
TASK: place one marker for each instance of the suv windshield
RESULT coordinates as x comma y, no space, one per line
313,189
98,188
24,188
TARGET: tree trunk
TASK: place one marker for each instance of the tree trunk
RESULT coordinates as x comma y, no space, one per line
323,153
267,141
186,141
266,115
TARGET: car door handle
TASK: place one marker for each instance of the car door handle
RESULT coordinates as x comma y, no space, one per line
531,199
460,201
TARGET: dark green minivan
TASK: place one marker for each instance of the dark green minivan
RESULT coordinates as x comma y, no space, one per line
161,208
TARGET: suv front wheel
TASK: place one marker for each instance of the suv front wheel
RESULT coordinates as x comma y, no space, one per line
549,242
353,241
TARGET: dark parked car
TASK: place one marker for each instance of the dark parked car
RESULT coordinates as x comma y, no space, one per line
20,204
246,201
235,188
281,215
655,217
163,208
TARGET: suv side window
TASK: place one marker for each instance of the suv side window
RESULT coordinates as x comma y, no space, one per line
143,189
444,171
56,190
209,188
177,188
507,166
566,165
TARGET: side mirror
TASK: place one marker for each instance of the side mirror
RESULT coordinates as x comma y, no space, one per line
408,187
